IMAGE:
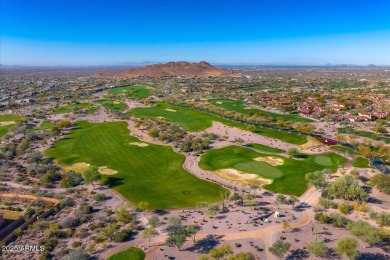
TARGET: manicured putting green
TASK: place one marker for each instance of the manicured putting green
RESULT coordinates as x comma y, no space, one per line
151,173
323,160
288,178
71,108
138,91
265,148
361,162
132,253
240,107
8,122
114,105
194,120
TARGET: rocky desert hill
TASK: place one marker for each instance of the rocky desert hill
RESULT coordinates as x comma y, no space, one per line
175,69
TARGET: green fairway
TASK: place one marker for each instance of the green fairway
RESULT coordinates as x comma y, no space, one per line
152,173
71,108
132,253
240,107
259,168
343,149
8,122
265,148
44,125
194,120
115,106
361,162
132,91
288,178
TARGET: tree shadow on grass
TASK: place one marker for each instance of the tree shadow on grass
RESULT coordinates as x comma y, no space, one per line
204,245
114,181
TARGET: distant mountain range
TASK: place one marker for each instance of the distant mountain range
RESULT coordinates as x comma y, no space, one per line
176,69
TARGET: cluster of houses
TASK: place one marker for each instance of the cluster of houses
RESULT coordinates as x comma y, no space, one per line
335,110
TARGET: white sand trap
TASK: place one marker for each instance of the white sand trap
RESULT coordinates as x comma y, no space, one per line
139,144
7,123
247,108
116,102
218,102
170,110
233,174
77,167
161,117
270,160
311,142
107,171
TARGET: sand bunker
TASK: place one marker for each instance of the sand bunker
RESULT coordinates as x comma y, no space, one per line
116,102
161,117
311,142
233,174
7,123
270,160
107,171
77,167
139,144
247,108
218,102
170,110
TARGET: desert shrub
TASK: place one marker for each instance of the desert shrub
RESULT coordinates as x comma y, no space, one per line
360,207
345,187
99,197
326,203
339,221
71,179
345,208
68,222
321,217
366,232
122,236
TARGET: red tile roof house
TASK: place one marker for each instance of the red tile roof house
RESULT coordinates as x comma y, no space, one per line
379,114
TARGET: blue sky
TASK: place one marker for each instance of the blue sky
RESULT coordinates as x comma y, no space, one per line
102,32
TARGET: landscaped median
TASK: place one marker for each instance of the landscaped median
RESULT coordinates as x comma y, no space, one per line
143,173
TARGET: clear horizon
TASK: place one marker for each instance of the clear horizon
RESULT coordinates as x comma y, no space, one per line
99,33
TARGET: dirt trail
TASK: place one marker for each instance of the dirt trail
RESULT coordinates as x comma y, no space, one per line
266,234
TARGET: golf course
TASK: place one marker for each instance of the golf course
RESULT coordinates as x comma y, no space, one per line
240,107
8,122
74,107
287,175
113,105
139,171
137,91
194,120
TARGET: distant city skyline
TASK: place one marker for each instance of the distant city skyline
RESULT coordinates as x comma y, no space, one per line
80,33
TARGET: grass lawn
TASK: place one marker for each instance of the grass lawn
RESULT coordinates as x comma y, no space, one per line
139,91
194,120
131,253
71,108
240,107
8,122
113,105
265,148
288,178
44,125
343,149
361,162
153,173
363,134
